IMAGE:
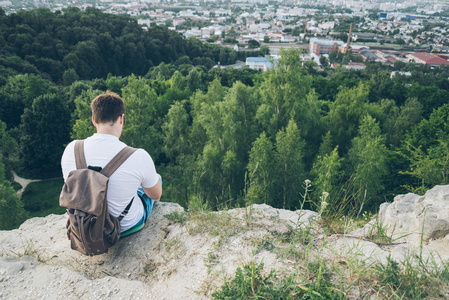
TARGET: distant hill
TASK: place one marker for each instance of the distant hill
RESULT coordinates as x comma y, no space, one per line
91,44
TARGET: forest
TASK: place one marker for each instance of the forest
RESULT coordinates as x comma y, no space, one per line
343,140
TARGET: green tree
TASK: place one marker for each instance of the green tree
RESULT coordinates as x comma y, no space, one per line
70,76
327,173
345,114
265,50
261,171
144,112
253,44
289,165
18,94
8,152
82,116
195,79
368,157
400,119
430,167
228,127
177,148
425,148
12,213
178,81
45,131
283,93
323,61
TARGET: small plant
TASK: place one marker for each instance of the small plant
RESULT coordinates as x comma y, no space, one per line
172,245
29,250
217,224
197,205
378,233
211,260
150,267
264,242
307,186
406,282
323,203
250,282
176,216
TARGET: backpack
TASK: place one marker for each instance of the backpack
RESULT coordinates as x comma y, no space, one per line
90,228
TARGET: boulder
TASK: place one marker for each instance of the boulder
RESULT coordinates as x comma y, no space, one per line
411,217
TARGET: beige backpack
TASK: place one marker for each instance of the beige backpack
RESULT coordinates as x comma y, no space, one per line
90,228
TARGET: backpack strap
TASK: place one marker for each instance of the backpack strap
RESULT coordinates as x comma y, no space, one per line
80,159
117,161
125,212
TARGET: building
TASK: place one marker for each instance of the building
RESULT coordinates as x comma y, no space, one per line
394,73
355,66
258,63
319,46
367,55
427,59
178,21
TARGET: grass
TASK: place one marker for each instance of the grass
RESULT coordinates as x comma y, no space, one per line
252,282
42,198
29,250
309,271
176,216
312,276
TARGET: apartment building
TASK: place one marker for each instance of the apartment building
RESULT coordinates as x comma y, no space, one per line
319,46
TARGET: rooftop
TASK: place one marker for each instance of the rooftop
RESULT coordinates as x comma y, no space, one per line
430,59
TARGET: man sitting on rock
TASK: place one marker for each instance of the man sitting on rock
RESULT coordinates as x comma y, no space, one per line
136,177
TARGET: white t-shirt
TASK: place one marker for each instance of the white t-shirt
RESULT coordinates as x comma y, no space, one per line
137,170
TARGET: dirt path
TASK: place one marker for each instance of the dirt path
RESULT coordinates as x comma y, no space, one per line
23,182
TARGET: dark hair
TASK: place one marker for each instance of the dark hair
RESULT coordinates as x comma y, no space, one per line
107,107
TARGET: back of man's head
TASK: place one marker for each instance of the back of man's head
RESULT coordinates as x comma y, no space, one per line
107,107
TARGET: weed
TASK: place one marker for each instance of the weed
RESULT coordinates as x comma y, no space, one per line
265,242
172,245
176,216
150,267
248,199
250,282
197,205
221,224
378,233
307,186
210,261
29,249
405,283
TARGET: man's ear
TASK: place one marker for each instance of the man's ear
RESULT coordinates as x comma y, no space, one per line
93,121
122,119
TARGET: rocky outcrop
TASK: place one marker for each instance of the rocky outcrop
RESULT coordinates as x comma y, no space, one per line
411,217
177,258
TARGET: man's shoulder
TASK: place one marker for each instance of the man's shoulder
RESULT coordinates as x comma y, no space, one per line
141,154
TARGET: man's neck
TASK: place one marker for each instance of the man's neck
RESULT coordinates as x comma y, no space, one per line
108,129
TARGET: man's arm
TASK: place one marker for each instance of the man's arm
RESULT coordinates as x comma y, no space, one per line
154,192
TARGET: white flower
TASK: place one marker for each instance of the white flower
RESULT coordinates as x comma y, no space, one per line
307,181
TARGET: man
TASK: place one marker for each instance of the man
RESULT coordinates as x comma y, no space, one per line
136,177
